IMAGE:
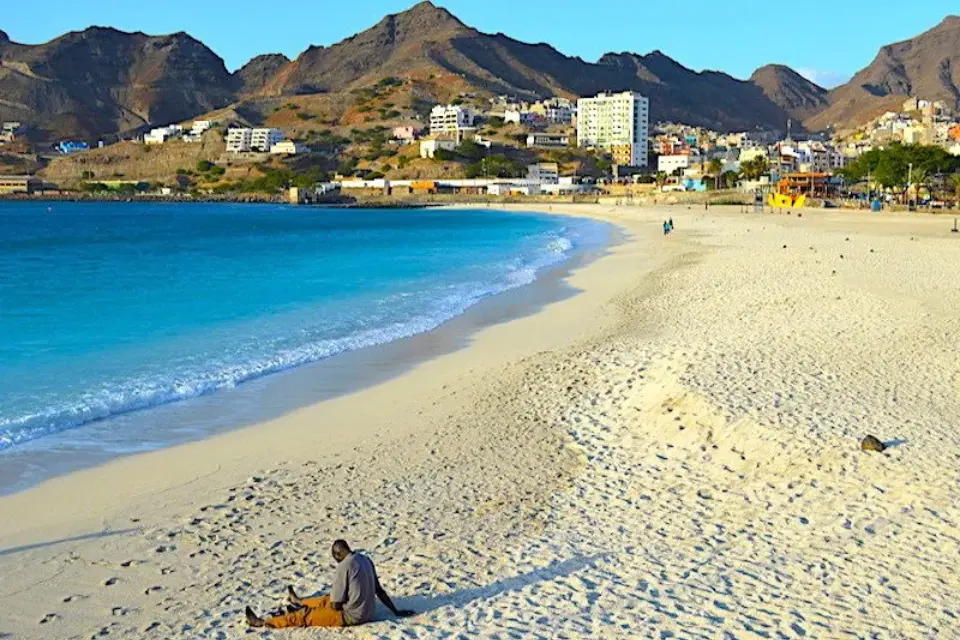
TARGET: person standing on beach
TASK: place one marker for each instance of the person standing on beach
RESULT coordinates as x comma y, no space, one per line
352,598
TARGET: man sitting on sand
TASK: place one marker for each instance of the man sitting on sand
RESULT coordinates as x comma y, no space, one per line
351,600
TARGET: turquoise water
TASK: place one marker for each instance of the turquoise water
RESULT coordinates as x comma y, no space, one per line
111,308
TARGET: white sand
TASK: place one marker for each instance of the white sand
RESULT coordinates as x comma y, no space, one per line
671,453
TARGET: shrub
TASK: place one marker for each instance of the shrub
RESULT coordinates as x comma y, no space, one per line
204,165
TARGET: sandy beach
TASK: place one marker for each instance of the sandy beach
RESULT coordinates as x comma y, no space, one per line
672,452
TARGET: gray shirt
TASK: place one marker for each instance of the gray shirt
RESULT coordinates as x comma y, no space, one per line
355,586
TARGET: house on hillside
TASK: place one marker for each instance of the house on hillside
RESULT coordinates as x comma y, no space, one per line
242,140
66,147
289,148
405,135
162,134
450,118
429,148
547,140
10,131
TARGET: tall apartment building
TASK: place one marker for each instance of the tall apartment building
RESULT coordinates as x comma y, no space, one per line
617,122
449,118
246,140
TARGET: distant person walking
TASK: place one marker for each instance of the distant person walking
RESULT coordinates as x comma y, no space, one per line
666,227
352,598
670,221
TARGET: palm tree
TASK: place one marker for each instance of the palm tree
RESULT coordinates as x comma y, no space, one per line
729,179
715,168
661,179
955,183
754,168
920,179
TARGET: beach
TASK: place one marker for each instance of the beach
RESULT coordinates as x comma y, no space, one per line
671,452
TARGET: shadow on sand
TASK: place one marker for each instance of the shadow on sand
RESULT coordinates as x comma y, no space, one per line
558,569
49,543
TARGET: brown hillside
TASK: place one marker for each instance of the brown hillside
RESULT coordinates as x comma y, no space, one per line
101,82
427,41
927,67
790,91
132,161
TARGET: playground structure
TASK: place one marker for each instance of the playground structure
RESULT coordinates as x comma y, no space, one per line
793,189
786,200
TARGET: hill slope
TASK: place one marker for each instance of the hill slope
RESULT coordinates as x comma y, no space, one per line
102,81
927,66
789,90
428,41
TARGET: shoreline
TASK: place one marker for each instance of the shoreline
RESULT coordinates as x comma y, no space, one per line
279,393
672,451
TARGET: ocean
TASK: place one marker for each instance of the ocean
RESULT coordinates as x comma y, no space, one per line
108,309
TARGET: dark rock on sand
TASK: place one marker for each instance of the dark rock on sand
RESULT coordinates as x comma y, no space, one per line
871,443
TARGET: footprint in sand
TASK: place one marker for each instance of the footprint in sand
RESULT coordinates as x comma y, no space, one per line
50,617
110,582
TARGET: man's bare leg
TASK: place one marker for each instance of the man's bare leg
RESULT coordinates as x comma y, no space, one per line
292,596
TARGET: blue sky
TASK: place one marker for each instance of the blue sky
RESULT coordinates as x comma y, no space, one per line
827,40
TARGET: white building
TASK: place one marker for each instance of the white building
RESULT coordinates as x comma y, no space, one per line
555,110
200,127
617,122
547,140
523,117
544,173
264,139
241,140
429,148
162,134
669,164
450,118
288,147
10,131
238,140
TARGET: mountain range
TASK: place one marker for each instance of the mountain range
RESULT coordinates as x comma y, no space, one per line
101,82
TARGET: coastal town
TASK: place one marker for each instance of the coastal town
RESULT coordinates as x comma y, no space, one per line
601,145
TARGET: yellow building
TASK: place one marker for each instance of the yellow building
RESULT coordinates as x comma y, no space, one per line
19,184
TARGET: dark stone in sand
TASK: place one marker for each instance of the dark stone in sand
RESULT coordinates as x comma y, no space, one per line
872,444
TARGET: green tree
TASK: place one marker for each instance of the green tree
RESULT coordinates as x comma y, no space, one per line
471,150
955,183
496,166
661,179
714,169
754,168
729,179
